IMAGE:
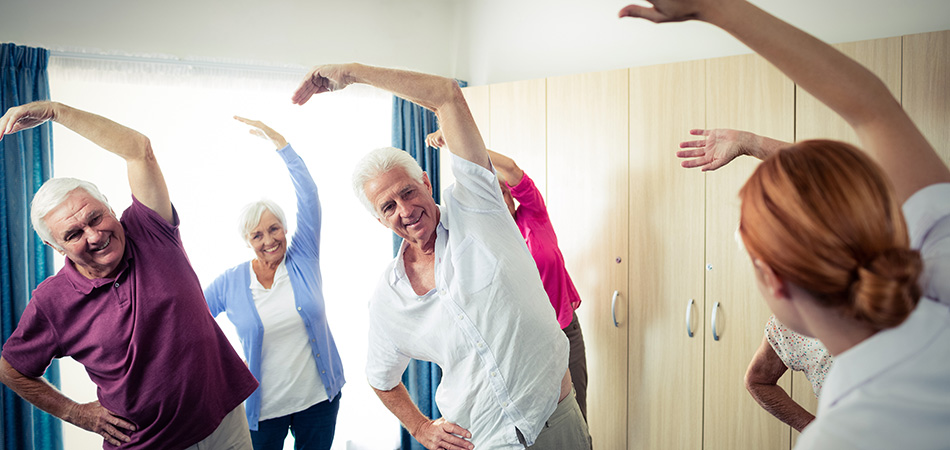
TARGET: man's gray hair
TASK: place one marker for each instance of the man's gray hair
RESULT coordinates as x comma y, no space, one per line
251,216
52,194
378,162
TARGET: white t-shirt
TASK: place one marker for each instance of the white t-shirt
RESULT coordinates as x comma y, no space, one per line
289,379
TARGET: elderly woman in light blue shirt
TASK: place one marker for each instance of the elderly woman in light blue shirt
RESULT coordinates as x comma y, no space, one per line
276,303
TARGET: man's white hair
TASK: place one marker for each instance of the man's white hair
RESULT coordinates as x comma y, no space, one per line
251,216
378,162
52,194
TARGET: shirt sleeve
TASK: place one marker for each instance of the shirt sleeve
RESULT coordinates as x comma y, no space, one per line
776,333
384,363
309,211
148,227
927,213
476,188
529,197
33,345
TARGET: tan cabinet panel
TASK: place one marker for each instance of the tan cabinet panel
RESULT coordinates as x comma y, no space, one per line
519,126
743,92
587,200
667,218
926,87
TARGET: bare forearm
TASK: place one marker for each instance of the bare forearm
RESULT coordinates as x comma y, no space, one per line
507,167
838,81
37,391
398,402
114,137
762,147
439,94
776,401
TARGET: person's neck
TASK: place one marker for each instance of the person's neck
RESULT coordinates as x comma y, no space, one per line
837,331
419,250
263,265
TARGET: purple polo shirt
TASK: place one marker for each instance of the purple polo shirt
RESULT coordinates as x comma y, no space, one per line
535,225
146,338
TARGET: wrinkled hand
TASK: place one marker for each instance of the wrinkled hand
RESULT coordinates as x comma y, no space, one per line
95,418
718,148
326,78
25,116
666,10
263,131
435,139
441,434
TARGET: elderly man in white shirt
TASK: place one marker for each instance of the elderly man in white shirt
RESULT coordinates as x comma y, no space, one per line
463,292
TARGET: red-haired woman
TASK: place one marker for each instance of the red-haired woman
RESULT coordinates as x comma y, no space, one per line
831,250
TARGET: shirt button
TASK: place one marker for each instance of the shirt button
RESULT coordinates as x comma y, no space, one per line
313,340
480,345
493,374
318,355
298,308
116,284
505,404
461,317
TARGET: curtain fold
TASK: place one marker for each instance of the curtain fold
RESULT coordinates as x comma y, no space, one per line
24,260
411,124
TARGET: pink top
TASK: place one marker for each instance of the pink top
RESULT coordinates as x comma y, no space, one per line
535,225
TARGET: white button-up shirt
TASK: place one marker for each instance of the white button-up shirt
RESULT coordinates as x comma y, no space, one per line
488,323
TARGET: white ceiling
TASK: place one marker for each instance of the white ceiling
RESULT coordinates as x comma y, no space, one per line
483,41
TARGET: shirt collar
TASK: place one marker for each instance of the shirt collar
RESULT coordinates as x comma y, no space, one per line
884,350
84,285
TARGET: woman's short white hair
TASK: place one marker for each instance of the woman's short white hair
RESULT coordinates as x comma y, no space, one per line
52,194
378,162
251,216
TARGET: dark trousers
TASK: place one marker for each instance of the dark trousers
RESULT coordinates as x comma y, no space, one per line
312,428
577,363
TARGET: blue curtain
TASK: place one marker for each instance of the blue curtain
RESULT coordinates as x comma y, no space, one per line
411,124
24,261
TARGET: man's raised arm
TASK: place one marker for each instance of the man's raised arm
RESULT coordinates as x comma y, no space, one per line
145,176
439,94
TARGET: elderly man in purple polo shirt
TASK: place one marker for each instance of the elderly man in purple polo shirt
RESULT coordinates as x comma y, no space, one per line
126,305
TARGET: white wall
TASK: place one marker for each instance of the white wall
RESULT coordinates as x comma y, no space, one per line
405,33
508,40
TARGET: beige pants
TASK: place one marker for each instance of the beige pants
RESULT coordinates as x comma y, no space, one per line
231,434
566,429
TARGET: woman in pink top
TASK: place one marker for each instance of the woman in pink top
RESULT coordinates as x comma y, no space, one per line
531,216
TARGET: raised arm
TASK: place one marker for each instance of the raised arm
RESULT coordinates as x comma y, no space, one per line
433,434
309,211
722,145
505,166
88,416
761,379
145,176
439,94
885,130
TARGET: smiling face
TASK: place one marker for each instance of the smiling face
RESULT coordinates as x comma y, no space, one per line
404,205
88,233
268,239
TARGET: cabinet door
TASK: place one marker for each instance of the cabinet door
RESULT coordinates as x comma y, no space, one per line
587,201
667,217
747,93
478,101
519,125
813,120
926,89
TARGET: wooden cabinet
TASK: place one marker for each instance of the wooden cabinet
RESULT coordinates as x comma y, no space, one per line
666,274
601,147
587,120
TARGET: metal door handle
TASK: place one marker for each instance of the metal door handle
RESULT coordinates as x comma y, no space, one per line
715,314
689,317
613,308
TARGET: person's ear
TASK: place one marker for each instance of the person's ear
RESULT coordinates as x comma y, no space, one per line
425,180
776,285
58,250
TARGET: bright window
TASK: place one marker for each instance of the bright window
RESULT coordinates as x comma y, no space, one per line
213,167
